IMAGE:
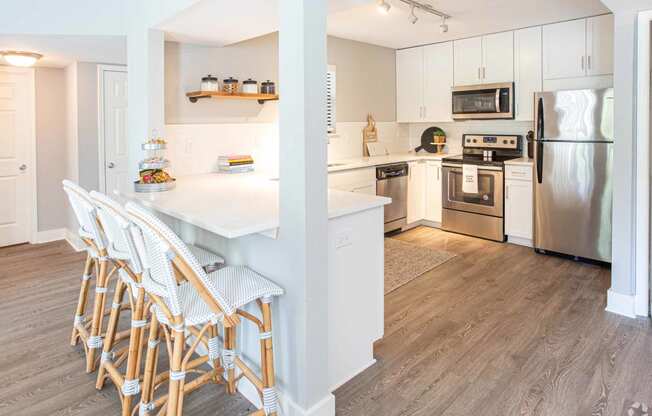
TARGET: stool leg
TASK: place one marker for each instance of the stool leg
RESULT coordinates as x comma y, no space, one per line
132,374
267,360
111,329
147,396
83,298
95,340
229,345
175,396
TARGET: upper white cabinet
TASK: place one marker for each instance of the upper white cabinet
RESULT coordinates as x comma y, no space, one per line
600,45
468,61
528,74
578,48
438,80
484,60
409,85
424,77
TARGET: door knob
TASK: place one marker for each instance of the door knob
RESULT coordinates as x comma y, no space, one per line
111,165
22,167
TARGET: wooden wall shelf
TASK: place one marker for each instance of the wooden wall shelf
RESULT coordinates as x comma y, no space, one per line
261,98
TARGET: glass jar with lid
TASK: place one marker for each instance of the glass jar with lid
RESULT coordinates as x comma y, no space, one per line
210,83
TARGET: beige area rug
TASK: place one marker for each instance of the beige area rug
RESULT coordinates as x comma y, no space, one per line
405,262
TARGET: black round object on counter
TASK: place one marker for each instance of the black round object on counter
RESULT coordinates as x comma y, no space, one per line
428,138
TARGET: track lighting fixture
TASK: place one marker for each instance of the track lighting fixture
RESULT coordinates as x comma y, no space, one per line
384,6
443,27
413,17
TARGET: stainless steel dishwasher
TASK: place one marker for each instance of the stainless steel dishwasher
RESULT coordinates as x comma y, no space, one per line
392,182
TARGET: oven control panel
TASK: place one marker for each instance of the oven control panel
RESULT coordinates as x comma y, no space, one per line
492,142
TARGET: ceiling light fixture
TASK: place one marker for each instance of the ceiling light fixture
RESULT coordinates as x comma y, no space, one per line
443,27
19,58
413,17
384,6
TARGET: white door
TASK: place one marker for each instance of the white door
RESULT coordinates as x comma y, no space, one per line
468,61
518,209
600,45
564,50
438,80
16,147
527,70
433,192
416,204
409,85
498,58
114,112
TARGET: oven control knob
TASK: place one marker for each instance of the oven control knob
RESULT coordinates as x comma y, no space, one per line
511,142
475,141
485,197
504,141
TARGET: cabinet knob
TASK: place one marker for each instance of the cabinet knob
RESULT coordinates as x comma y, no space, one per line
110,165
22,167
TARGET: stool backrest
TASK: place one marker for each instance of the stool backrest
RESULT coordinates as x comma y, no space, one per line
117,229
84,210
162,246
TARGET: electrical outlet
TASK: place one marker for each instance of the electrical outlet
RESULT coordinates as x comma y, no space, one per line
343,238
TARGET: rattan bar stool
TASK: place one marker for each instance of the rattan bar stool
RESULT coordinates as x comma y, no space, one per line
90,332
194,308
118,231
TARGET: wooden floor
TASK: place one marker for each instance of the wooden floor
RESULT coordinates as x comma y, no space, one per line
498,330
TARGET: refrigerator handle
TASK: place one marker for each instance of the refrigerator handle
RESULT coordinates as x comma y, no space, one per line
539,143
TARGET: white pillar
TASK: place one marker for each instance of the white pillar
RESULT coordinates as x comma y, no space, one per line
145,66
303,200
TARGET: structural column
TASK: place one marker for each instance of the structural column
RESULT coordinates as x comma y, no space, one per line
303,201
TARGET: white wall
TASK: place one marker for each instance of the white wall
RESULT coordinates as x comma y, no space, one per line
72,148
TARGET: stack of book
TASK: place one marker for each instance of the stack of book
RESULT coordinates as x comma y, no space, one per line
235,163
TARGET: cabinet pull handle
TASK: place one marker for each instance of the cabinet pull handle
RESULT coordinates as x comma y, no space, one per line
484,72
506,191
589,61
425,112
582,63
438,171
479,73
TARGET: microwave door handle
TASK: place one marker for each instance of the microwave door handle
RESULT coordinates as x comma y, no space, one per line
498,100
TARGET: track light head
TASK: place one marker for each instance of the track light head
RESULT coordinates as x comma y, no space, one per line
384,6
413,17
443,27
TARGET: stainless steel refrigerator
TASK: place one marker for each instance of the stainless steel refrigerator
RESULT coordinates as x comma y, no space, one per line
573,154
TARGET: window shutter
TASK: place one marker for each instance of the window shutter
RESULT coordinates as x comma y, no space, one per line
330,101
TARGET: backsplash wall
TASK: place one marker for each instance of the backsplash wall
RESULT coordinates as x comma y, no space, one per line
411,132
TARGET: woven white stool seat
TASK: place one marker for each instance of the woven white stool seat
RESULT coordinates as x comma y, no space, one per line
239,286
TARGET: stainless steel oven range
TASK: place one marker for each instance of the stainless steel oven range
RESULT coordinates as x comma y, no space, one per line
478,214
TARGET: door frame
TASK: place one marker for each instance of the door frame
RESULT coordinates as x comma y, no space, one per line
32,227
642,219
101,157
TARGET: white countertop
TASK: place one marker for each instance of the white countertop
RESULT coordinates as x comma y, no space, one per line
235,205
365,162
522,161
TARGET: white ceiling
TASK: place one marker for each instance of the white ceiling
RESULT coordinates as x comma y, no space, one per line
216,22
469,18
60,50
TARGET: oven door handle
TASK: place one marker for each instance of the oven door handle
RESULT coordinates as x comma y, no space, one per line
480,168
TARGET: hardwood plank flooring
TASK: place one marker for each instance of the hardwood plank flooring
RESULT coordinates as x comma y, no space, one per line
500,330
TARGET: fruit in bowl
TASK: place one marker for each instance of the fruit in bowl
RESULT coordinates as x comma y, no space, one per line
150,176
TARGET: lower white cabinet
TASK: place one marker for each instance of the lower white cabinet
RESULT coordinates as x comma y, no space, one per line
433,191
416,203
519,203
424,192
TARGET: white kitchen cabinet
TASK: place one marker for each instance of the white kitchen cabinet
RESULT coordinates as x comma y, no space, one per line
519,204
564,49
416,203
424,77
409,85
528,74
356,180
498,58
600,45
484,60
438,80
468,61
433,191
578,48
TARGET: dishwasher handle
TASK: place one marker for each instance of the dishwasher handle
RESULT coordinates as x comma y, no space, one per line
391,171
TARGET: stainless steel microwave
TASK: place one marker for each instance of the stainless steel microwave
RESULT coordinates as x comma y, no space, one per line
484,102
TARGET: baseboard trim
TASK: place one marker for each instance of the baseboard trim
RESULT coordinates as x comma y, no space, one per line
620,304
50,235
526,242
75,242
353,374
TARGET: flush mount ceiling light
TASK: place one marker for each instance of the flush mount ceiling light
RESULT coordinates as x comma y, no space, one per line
19,58
383,6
